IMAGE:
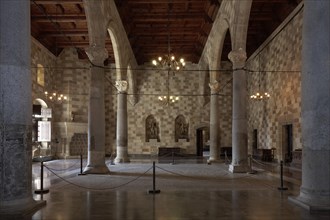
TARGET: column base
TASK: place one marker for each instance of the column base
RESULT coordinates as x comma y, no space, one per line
213,160
122,160
97,169
239,168
18,209
313,208
122,155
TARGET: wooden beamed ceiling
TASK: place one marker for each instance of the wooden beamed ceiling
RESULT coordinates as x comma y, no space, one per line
151,24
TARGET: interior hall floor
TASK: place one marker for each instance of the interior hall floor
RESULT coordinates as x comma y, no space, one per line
189,189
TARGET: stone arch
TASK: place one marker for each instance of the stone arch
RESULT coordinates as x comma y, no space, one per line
116,48
131,86
125,65
38,148
40,102
181,128
239,24
151,128
204,86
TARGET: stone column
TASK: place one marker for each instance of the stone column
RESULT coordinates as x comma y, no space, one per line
121,136
239,121
315,108
16,110
96,113
214,122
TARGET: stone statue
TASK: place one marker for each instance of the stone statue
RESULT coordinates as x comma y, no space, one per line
152,130
181,128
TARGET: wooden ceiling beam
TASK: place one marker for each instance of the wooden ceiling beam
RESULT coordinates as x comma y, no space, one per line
58,18
54,2
132,2
66,34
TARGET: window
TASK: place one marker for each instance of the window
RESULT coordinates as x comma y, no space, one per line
40,75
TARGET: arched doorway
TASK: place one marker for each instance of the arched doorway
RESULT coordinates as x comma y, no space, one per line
202,141
41,129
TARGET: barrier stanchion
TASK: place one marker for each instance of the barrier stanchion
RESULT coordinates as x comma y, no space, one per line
41,190
251,171
172,158
154,190
81,166
281,187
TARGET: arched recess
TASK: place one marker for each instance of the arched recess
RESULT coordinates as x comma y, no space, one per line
151,129
181,128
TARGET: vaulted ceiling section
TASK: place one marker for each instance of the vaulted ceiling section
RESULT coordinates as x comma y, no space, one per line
152,24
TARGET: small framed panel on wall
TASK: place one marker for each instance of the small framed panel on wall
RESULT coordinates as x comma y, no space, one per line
44,131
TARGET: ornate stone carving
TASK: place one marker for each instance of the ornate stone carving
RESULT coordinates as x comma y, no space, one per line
122,86
214,86
238,58
152,129
181,128
97,54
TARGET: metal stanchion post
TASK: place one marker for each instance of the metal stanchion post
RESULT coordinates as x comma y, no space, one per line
41,190
81,166
281,187
154,191
251,171
172,158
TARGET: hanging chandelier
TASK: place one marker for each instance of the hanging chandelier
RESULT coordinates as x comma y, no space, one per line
169,61
168,99
259,95
54,96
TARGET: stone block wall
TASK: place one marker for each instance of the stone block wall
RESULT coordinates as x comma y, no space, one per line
279,60
73,79
71,76
40,55
152,83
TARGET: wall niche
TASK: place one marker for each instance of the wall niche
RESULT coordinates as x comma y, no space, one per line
181,128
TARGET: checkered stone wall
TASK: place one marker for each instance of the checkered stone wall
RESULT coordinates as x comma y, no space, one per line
72,77
152,83
280,63
40,55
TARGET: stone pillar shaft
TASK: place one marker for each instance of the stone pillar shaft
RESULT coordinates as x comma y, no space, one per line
214,122
15,110
239,121
121,135
315,187
96,114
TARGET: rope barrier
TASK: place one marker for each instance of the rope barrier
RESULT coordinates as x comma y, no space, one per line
92,188
201,178
281,187
65,169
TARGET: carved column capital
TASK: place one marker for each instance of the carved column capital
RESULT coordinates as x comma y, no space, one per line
122,86
238,58
214,86
97,54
